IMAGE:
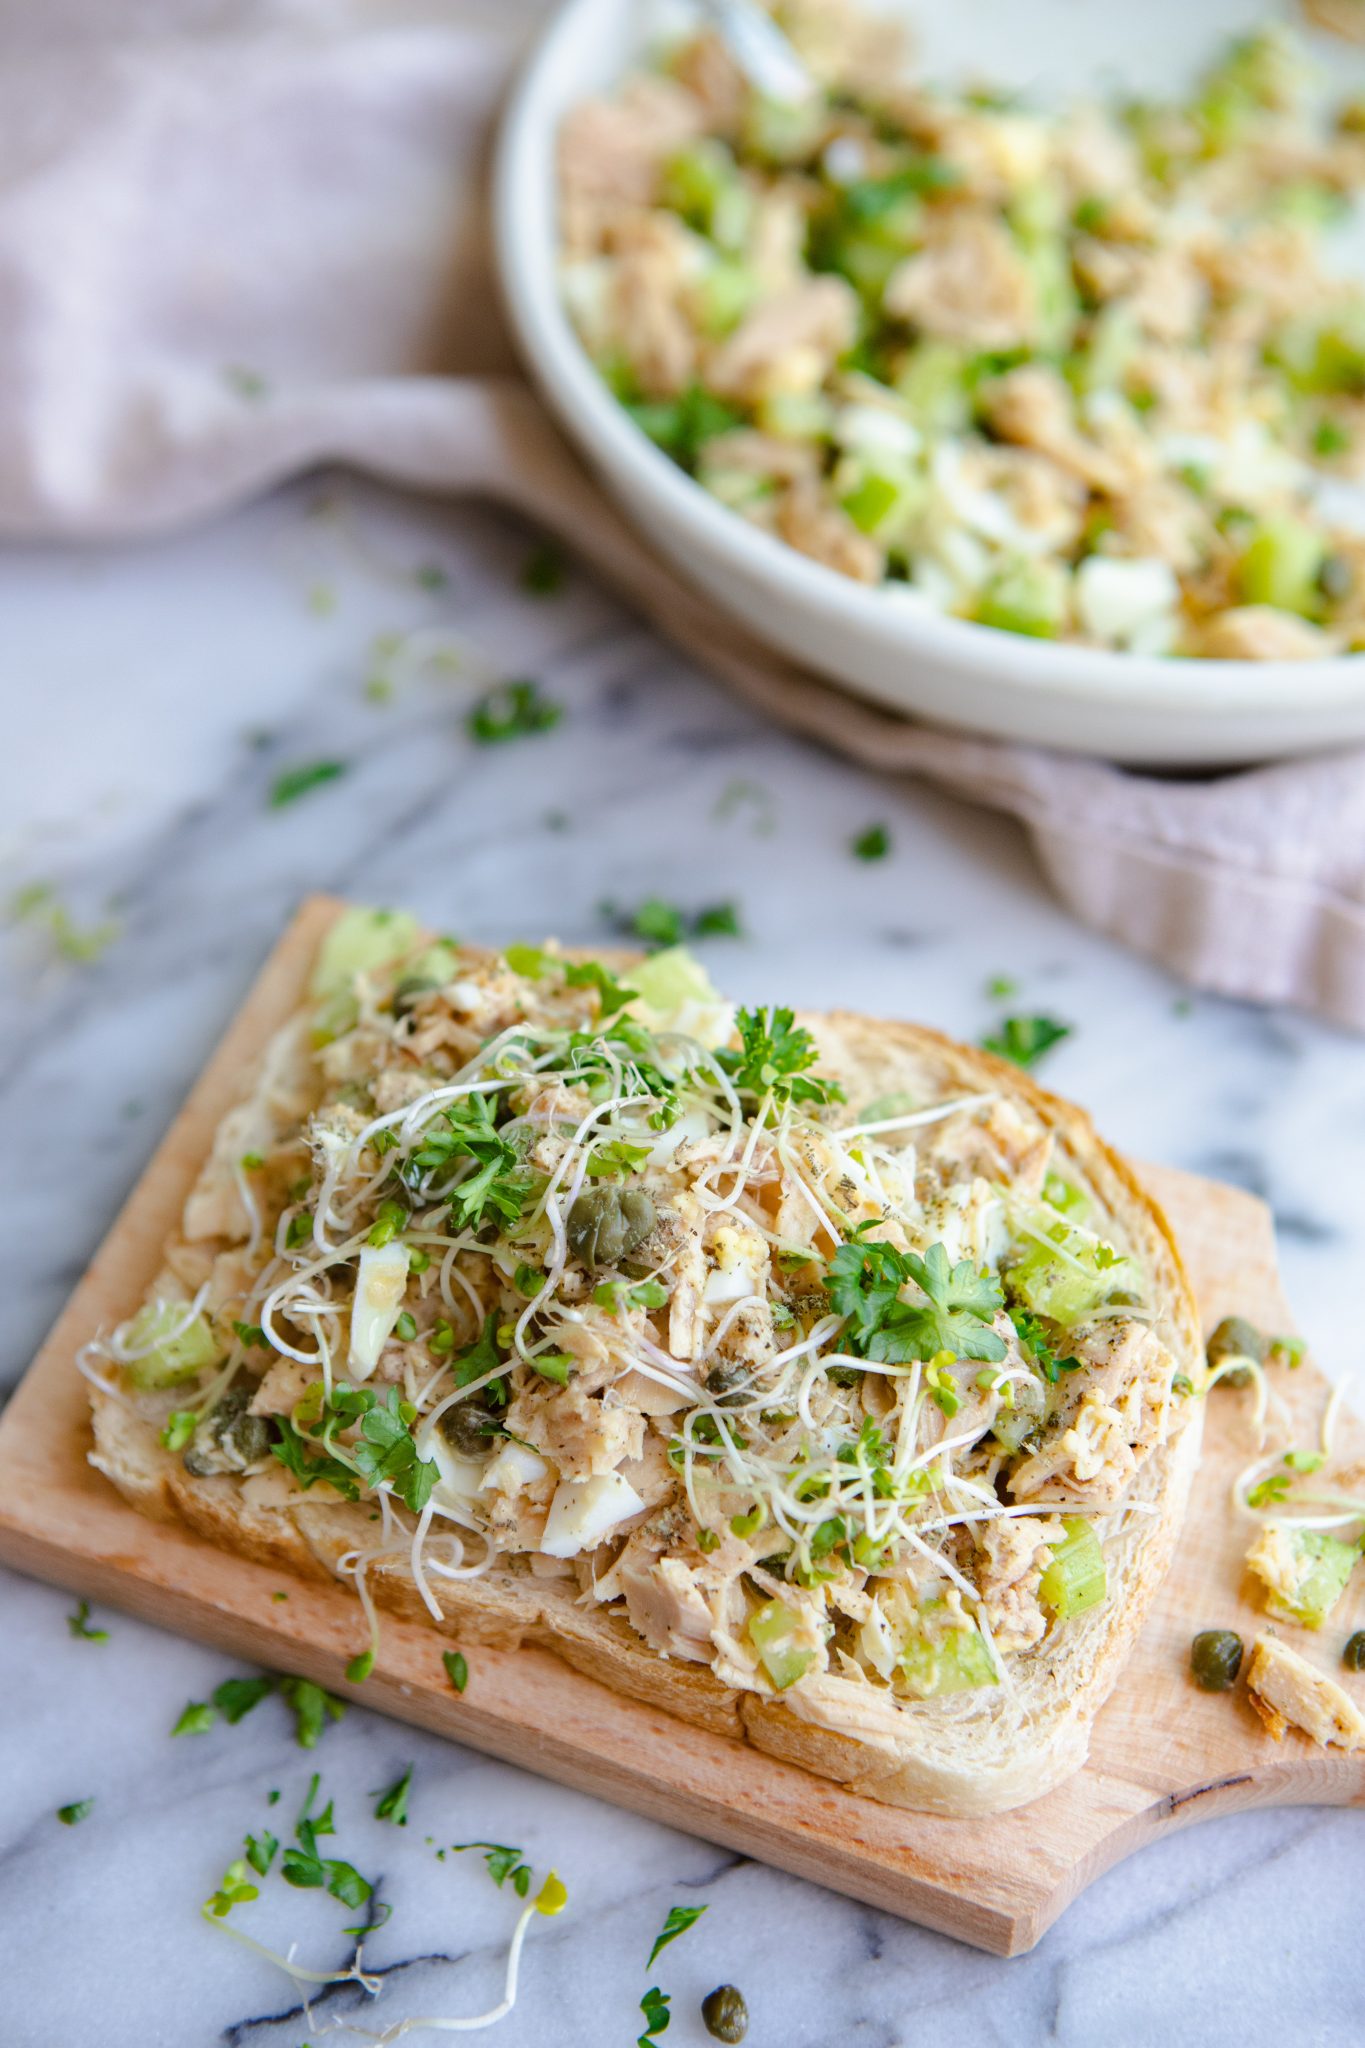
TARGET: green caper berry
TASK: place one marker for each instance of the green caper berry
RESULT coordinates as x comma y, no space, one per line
467,1428
606,1222
725,2013
1216,1659
1353,1656
1235,1337
729,1384
410,991
229,1438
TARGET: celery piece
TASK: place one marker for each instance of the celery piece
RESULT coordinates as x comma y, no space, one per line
1113,340
724,295
958,1662
1070,1275
795,416
770,1632
175,1354
669,979
1024,597
1304,1571
702,183
360,942
1280,564
871,501
1076,1580
783,131
930,379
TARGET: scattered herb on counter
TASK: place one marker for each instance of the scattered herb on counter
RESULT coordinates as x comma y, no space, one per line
246,383
1000,988
77,1811
197,1719
236,1697
743,794
457,1670
874,844
37,904
322,600
79,1625
313,1708
660,923
543,572
297,782
393,1804
260,1851
503,1861
431,576
654,2006
679,1919
1024,1040
512,711
306,1868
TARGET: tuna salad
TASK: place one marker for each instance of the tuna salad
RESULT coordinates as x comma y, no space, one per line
1093,374
570,1269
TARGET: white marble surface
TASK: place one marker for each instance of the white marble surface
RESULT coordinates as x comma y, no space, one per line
151,697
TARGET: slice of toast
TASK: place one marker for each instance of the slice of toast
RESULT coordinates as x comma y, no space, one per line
984,1748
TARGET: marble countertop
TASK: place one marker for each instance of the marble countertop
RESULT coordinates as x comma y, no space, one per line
153,697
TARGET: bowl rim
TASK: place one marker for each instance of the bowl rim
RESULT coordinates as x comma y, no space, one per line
525,246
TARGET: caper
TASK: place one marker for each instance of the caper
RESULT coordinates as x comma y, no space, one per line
729,1384
725,2013
467,1428
1216,1659
606,1222
410,991
1012,1425
1353,1656
229,1438
1235,1337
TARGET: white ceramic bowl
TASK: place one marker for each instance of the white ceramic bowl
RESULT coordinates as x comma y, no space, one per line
1128,707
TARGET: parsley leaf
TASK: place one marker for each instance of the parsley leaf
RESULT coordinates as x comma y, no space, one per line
77,1811
503,1861
660,923
79,1625
1268,1491
386,1453
775,1057
237,1696
197,1719
1034,1339
1024,1040
500,1182
864,1283
511,711
679,1919
457,1669
543,571
312,1709
308,1870
874,844
654,2006
296,782
260,1851
612,994
393,1804
235,1889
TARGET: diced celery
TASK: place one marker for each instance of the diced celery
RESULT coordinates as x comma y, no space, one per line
175,1354
737,488
1280,564
670,980
1112,343
703,184
360,942
867,259
795,416
724,295
1305,1572
770,1632
1076,1579
870,501
783,131
1025,597
1069,1276
931,380
958,1662
435,963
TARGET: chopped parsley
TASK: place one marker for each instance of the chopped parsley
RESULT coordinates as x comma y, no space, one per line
660,923
864,1283
543,571
504,1862
873,844
654,2006
457,1669
297,782
512,711
431,576
679,1919
500,1183
77,1811
236,1697
197,1719
305,1867
1034,1338
79,1625
392,1805
1024,1040
1268,1491
775,1057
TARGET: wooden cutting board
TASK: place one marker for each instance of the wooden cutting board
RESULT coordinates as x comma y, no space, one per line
1163,1753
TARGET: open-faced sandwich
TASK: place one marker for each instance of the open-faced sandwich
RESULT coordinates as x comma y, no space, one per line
820,1381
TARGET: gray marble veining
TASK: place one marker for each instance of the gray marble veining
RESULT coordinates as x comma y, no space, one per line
153,696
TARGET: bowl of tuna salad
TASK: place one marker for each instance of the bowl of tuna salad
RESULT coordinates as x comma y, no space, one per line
1010,372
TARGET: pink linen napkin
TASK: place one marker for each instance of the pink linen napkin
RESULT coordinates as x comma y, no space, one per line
239,238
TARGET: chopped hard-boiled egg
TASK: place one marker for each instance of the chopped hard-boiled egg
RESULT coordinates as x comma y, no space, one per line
380,1284
741,1266
583,1511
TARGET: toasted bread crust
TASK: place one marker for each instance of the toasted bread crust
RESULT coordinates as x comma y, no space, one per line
972,1753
